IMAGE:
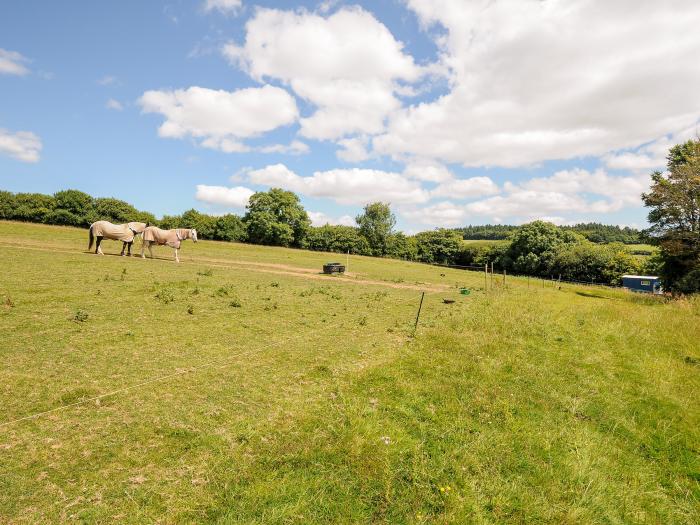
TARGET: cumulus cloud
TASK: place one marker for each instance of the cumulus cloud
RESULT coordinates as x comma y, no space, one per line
427,170
532,81
443,214
345,186
466,188
554,198
354,149
296,147
20,145
220,119
348,65
12,63
223,6
114,104
565,192
321,219
622,191
650,156
236,197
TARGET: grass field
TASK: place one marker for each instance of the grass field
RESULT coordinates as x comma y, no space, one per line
241,386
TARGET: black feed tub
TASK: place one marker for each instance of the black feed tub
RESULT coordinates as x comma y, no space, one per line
333,268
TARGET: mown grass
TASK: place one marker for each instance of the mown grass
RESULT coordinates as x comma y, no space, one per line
310,400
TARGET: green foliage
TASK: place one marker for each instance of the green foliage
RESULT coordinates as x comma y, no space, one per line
606,233
589,262
277,218
401,247
533,245
593,231
118,212
229,227
68,208
77,206
339,239
204,224
377,224
674,202
489,232
29,207
438,246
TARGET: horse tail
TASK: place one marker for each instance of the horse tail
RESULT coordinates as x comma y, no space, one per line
91,237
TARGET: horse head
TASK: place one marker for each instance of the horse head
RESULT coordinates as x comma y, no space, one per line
193,234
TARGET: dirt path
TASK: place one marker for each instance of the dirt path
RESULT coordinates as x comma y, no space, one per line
271,268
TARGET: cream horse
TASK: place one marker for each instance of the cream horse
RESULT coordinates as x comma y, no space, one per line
172,238
117,232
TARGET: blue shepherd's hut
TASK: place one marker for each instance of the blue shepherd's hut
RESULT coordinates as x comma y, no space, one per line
642,283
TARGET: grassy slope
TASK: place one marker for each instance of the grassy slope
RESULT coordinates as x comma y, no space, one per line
311,402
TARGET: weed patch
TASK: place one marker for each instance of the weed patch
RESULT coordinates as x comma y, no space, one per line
165,295
80,316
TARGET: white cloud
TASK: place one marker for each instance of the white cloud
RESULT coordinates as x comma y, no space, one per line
223,6
345,186
354,149
224,144
563,193
427,170
651,156
466,188
221,118
532,81
21,145
236,197
348,65
114,104
321,219
296,147
442,214
622,191
12,63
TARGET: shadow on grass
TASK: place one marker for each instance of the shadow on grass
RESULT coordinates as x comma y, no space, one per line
596,296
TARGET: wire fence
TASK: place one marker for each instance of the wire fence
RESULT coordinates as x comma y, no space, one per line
491,273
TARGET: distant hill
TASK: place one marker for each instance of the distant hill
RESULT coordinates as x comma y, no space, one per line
593,231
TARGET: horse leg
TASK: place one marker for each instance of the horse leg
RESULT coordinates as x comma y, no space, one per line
123,246
150,249
143,248
129,248
98,248
177,259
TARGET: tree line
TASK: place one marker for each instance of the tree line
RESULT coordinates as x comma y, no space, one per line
593,231
276,217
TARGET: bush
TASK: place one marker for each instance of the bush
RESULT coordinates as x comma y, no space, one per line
338,239
438,246
533,246
589,262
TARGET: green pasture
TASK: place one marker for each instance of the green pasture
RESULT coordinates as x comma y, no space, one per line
242,386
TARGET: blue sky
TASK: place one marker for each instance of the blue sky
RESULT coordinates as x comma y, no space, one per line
455,111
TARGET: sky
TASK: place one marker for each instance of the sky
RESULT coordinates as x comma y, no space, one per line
455,112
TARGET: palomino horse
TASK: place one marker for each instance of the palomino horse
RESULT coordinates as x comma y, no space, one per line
116,232
172,238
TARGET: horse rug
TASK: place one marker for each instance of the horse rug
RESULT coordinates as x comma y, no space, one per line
117,232
170,238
